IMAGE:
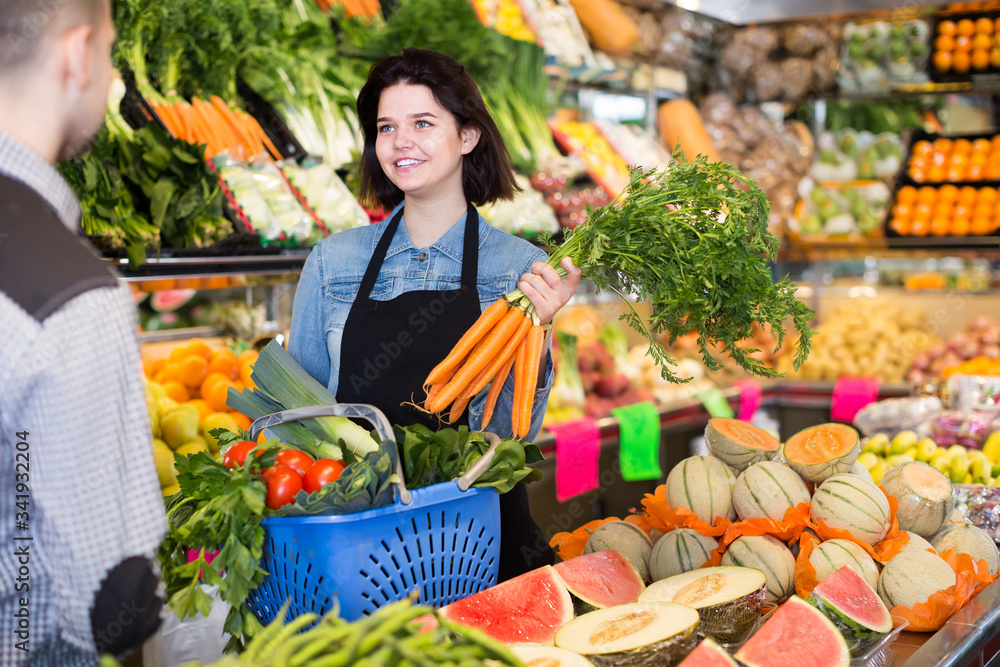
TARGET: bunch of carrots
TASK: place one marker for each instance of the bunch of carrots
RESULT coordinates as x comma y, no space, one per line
216,125
504,337
353,8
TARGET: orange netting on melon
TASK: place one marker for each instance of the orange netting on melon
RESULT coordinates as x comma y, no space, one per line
787,530
571,544
805,573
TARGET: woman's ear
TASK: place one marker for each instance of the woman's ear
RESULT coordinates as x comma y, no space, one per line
470,138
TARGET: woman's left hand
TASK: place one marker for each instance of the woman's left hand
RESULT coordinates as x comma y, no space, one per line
546,290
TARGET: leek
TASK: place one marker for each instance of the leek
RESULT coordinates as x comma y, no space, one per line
282,385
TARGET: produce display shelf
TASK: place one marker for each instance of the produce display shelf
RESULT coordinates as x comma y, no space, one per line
182,265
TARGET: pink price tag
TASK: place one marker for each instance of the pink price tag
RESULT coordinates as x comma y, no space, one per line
749,399
578,446
852,394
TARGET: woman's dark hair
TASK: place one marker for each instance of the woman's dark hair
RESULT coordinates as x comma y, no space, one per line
487,174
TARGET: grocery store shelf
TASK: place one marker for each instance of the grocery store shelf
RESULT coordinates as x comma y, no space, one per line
185,265
186,333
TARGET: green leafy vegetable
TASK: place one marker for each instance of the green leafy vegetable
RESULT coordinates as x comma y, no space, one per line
432,457
693,242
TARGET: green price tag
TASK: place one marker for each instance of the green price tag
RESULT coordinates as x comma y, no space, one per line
716,403
639,435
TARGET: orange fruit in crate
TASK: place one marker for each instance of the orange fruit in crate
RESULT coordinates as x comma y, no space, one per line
156,366
955,174
176,391
963,44
906,195
920,227
946,28
982,43
975,173
944,43
246,370
995,57
900,226
904,211
982,210
981,226
248,355
210,381
948,193
961,62
202,406
922,149
942,146
943,60
961,147
987,195
178,353
967,195
200,347
984,26
965,28
225,362
940,226
943,209
169,373
923,211
959,160
935,174
926,195
960,226
982,145
192,370
218,394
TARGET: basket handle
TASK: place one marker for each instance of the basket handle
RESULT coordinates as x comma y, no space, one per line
358,410
469,477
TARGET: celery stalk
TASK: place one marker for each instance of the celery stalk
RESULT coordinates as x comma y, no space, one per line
286,385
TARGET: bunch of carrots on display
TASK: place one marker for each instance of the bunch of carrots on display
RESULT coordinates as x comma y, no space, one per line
216,125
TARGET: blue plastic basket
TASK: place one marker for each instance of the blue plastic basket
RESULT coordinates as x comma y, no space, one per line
441,541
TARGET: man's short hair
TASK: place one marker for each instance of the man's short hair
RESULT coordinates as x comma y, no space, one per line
24,25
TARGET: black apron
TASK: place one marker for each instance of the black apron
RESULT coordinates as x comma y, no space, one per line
389,347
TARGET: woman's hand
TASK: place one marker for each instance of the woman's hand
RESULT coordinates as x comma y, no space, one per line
546,290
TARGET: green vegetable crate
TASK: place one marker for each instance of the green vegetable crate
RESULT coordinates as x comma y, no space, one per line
442,541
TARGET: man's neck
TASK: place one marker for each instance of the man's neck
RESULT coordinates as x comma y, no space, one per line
31,122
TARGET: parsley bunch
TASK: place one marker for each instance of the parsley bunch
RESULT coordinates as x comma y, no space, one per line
693,242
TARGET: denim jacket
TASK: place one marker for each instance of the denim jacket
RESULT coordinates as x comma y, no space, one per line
332,275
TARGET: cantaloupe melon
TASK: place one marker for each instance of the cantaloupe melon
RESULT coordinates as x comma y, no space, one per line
916,543
924,496
767,490
704,485
911,577
861,471
828,557
968,539
848,502
738,443
770,556
821,451
680,551
625,538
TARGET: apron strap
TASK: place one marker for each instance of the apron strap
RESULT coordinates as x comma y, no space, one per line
470,252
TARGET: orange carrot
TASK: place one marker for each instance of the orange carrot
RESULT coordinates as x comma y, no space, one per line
457,408
481,356
519,371
234,124
261,137
181,120
494,366
205,131
210,121
163,112
532,353
226,136
491,398
468,340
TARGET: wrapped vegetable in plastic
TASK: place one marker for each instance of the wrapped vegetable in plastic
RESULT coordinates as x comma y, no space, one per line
327,194
899,414
265,198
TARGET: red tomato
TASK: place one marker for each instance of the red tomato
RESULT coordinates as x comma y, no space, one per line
294,458
282,485
236,455
321,473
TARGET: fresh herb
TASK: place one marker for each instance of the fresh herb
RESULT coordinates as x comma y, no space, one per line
431,457
693,242
217,509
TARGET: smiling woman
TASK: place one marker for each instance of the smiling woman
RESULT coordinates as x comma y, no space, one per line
376,308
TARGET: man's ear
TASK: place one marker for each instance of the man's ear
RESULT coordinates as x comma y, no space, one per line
470,138
76,53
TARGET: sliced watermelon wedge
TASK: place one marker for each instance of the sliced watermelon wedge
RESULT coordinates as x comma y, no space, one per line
796,634
524,610
708,654
599,580
850,603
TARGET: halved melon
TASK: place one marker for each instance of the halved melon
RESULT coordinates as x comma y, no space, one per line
643,633
548,656
796,634
708,654
728,599
924,496
738,443
821,451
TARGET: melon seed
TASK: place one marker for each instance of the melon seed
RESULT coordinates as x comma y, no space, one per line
623,626
699,589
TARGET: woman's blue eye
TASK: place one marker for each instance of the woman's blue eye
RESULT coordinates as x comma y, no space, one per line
384,128
423,123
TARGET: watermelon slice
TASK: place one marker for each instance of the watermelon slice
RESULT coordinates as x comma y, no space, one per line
599,580
798,634
708,654
857,610
524,610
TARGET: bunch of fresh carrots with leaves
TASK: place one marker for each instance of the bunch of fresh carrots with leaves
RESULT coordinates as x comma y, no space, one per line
219,127
692,241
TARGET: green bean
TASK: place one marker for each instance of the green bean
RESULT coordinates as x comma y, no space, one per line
495,648
390,627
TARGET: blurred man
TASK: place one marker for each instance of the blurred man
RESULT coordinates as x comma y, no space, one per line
80,508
